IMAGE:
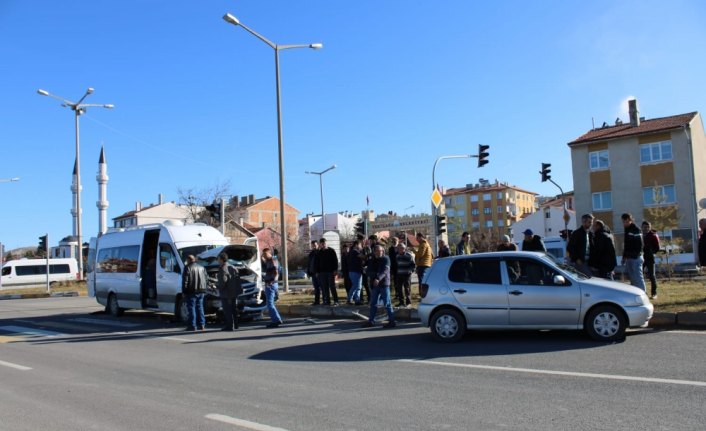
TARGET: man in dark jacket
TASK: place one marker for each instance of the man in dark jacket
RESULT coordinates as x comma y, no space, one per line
326,269
650,247
229,288
193,288
532,242
702,242
311,272
355,272
403,275
602,259
580,243
632,251
379,272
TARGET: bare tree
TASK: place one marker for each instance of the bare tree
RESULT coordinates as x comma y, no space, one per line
196,199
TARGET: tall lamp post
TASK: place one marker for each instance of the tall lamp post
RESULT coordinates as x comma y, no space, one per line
2,248
78,108
321,188
229,18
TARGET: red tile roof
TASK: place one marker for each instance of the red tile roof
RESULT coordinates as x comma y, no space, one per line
646,126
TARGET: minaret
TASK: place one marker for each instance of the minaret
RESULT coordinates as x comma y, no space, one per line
102,203
74,191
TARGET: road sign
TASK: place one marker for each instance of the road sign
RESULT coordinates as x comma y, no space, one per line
436,198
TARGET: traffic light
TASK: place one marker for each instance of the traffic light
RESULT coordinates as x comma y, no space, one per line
440,224
360,227
42,248
215,210
545,171
482,155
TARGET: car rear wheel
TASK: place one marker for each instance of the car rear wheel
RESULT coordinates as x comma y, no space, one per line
605,323
112,307
448,325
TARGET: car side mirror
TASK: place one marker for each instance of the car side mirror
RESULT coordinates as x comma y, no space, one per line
559,280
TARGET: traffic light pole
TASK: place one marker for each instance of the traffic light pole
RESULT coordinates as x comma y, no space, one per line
547,177
46,251
434,209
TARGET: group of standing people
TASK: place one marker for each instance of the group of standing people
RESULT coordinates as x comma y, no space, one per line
195,282
591,250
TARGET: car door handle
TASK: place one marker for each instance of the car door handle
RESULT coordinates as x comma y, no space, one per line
515,292
460,291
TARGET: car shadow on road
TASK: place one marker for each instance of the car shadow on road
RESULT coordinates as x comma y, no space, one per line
389,345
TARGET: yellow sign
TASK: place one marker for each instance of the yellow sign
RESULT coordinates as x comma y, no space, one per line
436,198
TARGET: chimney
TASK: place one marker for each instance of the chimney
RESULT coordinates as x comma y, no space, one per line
251,199
138,206
632,108
160,199
236,201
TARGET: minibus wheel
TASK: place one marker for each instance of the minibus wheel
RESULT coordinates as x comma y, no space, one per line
112,307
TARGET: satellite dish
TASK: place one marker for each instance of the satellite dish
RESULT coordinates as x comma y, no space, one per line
702,204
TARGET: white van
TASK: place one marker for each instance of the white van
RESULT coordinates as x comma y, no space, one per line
141,267
33,272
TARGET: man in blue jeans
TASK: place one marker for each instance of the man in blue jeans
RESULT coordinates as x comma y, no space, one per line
379,272
193,289
270,268
632,252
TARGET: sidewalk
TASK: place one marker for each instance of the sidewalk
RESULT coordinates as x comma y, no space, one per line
683,320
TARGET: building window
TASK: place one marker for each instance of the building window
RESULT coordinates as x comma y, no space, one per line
602,201
474,198
461,213
599,160
500,209
475,225
500,196
486,210
474,211
488,223
658,195
486,196
501,223
459,200
548,214
656,152
450,212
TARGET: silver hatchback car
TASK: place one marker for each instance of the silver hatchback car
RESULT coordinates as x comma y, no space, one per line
525,290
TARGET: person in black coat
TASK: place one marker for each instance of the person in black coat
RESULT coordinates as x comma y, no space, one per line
602,259
532,242
580,244
326,269
702,242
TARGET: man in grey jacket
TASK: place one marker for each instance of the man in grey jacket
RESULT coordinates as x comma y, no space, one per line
193,289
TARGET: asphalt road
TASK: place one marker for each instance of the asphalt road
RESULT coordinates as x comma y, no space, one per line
66,366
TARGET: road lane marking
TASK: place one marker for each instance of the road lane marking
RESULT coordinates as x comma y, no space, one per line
184,340
558,373
105,322
15,366
30,331
242,423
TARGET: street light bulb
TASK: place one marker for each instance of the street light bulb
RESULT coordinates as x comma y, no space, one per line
109,106
89,91
43,92
334,166
231,19
316,45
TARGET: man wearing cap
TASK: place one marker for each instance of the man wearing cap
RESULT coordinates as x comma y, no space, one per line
580,244
506,245
532,242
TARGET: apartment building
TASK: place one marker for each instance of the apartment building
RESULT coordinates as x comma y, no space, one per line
617,169
487,206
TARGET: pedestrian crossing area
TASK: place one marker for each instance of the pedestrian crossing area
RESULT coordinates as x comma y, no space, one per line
44,329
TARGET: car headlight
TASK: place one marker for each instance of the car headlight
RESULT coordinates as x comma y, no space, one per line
640,299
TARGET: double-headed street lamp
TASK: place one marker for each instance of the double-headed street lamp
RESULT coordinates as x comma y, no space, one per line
277,48
321,188
78,108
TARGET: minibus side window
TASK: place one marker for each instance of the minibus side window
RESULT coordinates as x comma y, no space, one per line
167,259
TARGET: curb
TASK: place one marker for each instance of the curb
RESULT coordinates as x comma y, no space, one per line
41,295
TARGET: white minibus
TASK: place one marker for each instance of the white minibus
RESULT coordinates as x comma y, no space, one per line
141,267
33,272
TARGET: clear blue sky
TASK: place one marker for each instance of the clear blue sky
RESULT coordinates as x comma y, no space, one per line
398,84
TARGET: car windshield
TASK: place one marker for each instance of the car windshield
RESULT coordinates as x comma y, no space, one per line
195,250
572,271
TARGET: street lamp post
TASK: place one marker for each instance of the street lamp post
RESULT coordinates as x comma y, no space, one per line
235,21
434,211
321,188
78,108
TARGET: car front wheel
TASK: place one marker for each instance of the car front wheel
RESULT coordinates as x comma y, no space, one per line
606,323
448,325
